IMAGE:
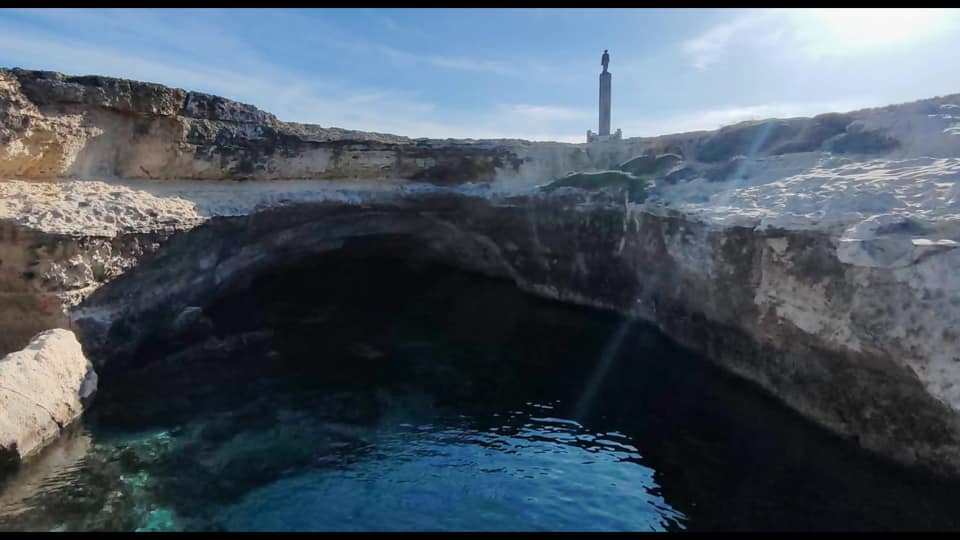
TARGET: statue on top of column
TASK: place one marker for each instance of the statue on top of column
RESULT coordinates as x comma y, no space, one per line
605,60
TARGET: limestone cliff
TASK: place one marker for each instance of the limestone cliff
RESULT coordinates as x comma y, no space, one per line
59,126
55,126
814,256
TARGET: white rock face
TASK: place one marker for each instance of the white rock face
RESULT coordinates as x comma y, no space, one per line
818,191
845,249
43,388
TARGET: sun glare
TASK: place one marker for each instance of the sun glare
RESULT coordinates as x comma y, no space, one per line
857,28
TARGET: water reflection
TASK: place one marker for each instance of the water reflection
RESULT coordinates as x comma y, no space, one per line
507,471
529,473
53,468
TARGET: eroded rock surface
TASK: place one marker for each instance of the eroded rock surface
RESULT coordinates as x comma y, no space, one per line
776,307
814,256
55,126
43,388
58,126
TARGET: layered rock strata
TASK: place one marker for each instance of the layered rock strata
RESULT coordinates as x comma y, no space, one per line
813,256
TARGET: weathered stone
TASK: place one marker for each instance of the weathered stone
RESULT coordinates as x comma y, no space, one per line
650,164
43,388
812,136
613,181
775,307
864,142
105,127
41,273
856,332
680,174
746,138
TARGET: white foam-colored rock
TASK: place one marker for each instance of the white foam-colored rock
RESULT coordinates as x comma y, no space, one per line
43,388
820,192
109,207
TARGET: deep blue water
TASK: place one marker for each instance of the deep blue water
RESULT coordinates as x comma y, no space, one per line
388,397
451,476
299,467
531,472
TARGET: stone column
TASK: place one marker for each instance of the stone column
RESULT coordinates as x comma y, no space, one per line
605,83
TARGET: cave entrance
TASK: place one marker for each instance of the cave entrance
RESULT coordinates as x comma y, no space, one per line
373,365
377,312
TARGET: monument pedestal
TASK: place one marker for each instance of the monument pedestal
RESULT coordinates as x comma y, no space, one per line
606,79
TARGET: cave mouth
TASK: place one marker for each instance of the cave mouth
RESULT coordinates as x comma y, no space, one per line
370,389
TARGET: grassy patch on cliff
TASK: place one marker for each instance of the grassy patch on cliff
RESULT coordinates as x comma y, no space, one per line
647,165
635,187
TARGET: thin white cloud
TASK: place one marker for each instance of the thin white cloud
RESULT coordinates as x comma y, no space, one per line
289,95
811,34
73,57
472,64
306,97
167,33
285,94
709,47
462,63
710,119
392,25
843,32
389,22
526,112
291,98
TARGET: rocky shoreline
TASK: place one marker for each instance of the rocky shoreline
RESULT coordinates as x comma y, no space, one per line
815,257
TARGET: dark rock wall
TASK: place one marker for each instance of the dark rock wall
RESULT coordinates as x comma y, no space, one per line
696,283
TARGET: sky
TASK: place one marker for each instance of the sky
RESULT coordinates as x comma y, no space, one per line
508,73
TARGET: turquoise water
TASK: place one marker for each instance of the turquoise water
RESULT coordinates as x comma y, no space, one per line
393,398
516,470
458,478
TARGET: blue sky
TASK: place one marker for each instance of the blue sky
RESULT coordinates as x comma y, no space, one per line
526,73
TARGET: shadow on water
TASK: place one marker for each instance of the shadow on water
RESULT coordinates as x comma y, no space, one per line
375,393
